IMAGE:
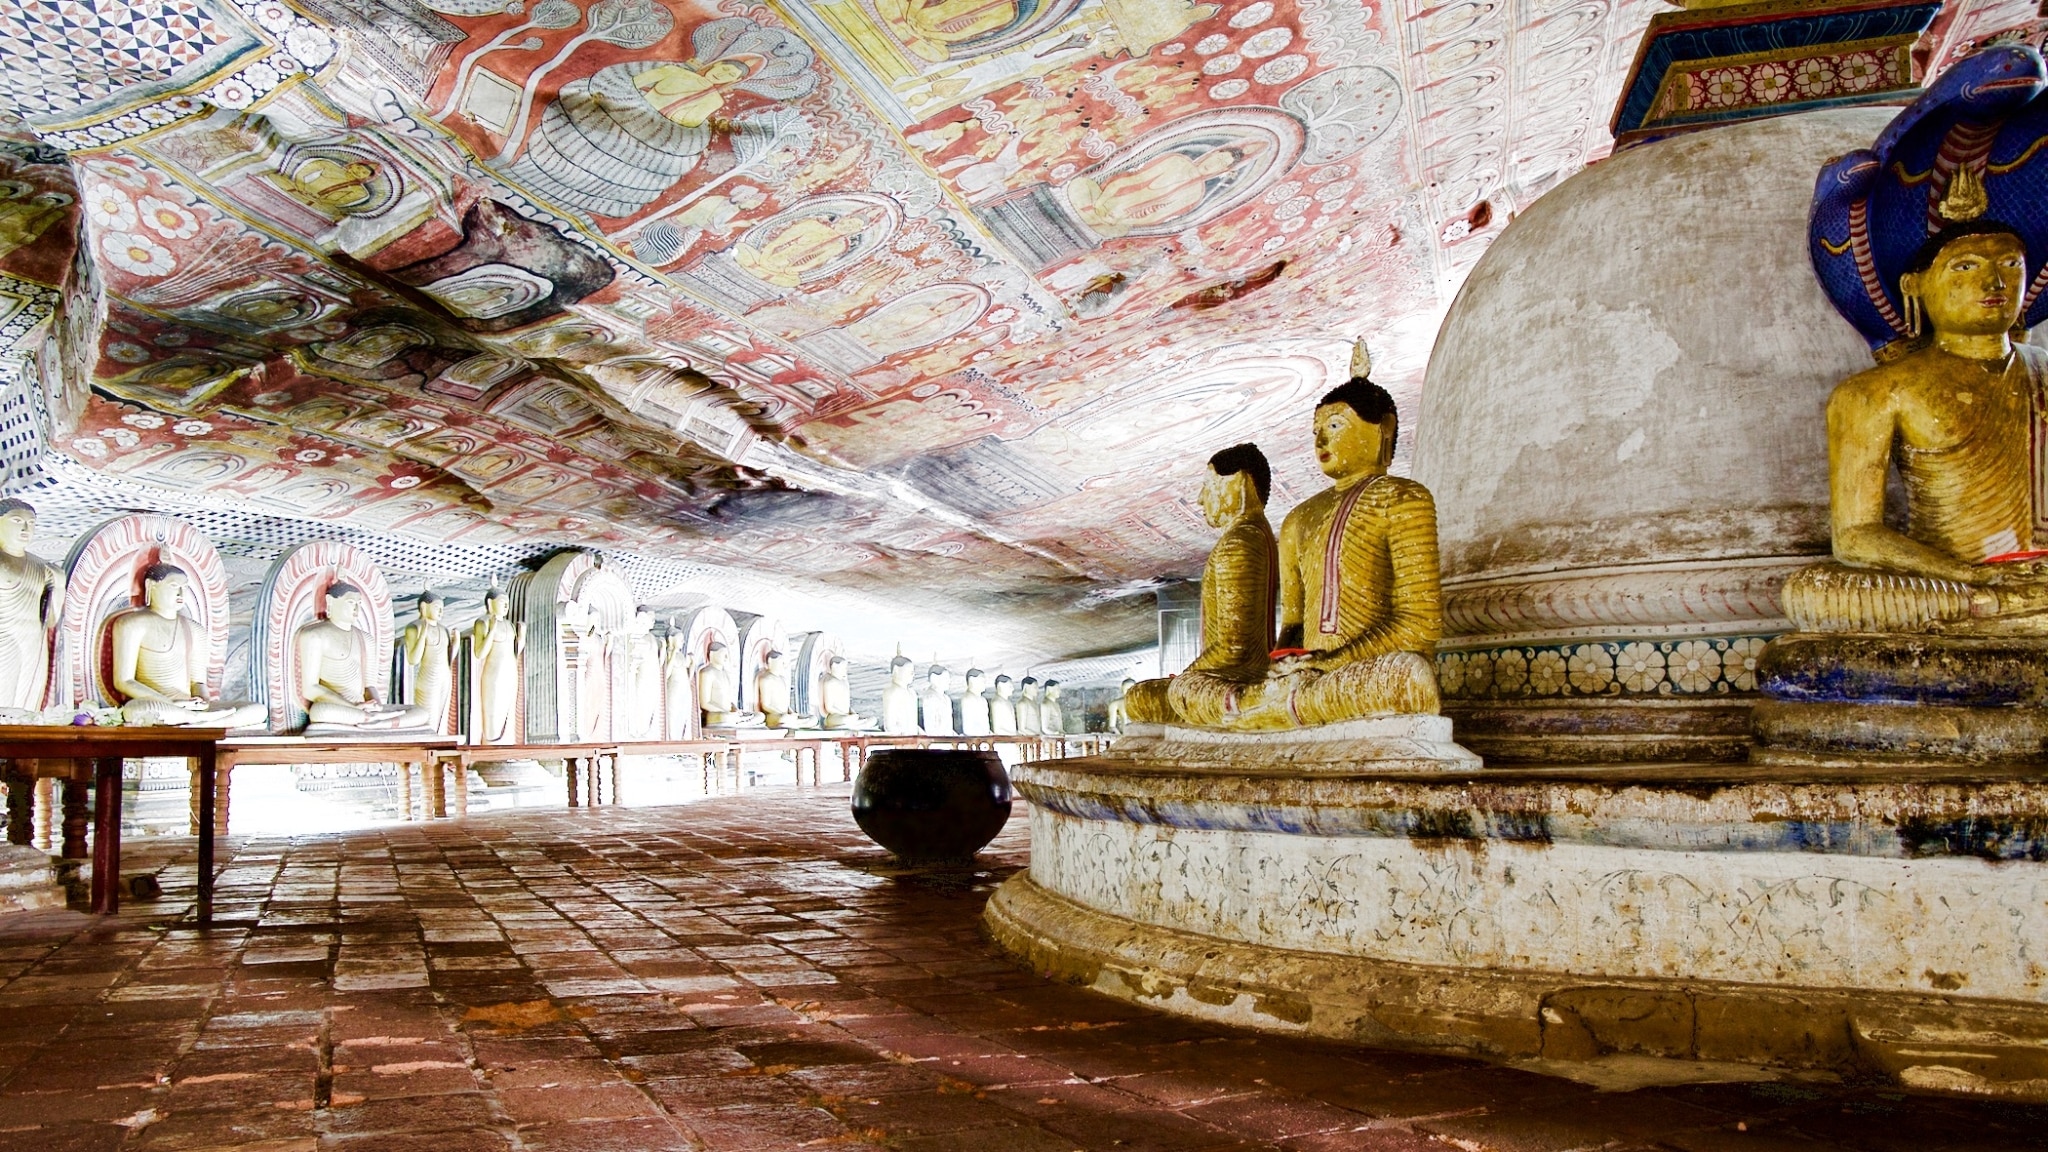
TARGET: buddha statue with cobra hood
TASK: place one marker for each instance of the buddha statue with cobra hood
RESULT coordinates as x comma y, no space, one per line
1925,635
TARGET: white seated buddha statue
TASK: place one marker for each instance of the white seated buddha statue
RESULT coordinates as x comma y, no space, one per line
159,661
974,711
718,692
836,696
1052,720
334,686
1002,708
771,690
899,700
935,704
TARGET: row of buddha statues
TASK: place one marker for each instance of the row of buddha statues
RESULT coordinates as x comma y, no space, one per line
1001,707
150,638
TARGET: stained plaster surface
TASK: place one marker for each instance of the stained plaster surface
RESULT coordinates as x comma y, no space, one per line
1662,401
1897,885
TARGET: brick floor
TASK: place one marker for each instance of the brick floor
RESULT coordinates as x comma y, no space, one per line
744,973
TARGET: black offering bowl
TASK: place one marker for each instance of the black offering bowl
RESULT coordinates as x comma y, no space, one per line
932,805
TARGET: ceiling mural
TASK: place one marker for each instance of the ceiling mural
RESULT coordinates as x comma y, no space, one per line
937,298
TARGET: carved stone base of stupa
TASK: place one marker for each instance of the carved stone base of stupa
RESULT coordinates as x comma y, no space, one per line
1903,698
1860,920
1394,743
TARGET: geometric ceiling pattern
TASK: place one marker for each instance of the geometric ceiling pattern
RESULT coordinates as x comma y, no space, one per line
939,300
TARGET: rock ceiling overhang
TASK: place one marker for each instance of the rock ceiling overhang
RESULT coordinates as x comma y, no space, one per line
945,299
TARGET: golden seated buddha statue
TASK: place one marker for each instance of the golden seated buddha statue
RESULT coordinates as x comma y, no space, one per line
1239,585
1957,417
1359,594
1949,608
1357,580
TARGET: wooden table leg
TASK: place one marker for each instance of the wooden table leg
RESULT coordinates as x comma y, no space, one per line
437,788
20,810
203,767
106,836
616,797
46,812
461,787
569,770
74,820
405,791
223,796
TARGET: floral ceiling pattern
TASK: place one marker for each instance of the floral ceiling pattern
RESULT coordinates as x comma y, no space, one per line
940,298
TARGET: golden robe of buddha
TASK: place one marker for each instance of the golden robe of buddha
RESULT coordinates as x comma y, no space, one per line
1359,588
1239,586
1961,418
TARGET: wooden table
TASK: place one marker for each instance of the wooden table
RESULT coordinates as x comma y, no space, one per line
578,760
404,752
713,751
105,749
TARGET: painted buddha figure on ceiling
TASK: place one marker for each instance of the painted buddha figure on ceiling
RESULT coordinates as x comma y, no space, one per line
334,683
1240,583
1360,601
1163,189
159,664
1958,417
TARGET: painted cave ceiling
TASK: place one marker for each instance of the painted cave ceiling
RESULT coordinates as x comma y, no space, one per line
944,300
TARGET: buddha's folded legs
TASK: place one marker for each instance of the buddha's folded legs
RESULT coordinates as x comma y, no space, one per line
1147,703
218,714
1398,682
1837,598
346,716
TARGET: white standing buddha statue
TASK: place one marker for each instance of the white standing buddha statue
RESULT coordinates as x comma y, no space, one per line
31,597
495,647
935,704
899,700
159,661
334,686
974,711
428,647
1002,708
676,690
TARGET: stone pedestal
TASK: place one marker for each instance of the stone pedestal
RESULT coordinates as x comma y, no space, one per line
1856,920
1911,699
1380,743
27,880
